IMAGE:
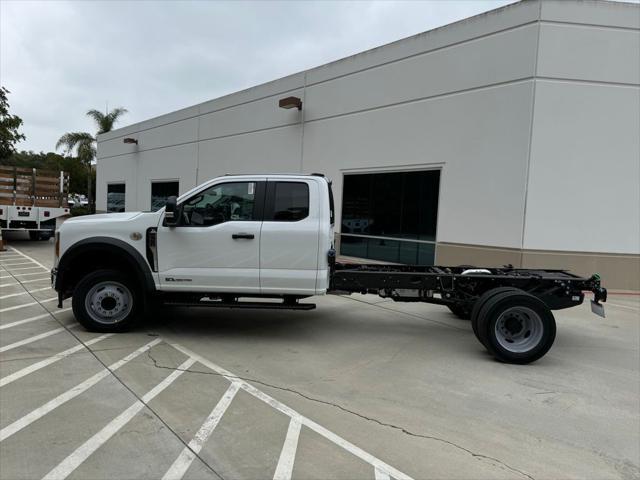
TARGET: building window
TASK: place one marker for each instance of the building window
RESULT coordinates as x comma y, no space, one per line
115,197
391,216
290,202
221,203
160,191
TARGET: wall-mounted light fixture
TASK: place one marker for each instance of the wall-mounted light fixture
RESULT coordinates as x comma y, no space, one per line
130,140
290,102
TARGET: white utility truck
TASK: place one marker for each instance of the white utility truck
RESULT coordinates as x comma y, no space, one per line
31,200
266,241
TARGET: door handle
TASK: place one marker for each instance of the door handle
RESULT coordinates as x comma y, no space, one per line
248,236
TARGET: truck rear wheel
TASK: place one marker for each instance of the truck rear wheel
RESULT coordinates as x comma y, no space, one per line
516,327
477,306
106,301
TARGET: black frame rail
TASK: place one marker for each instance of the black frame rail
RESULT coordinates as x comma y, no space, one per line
452,286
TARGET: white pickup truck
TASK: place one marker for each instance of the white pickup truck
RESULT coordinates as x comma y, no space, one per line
266,241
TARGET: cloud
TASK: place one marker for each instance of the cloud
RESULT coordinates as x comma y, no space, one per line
60,59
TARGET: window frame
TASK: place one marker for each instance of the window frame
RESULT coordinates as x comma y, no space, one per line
258,203
270,201
117,182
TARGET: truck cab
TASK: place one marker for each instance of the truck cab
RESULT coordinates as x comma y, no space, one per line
236,235
248,234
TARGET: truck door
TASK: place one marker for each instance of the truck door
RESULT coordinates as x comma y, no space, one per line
216,247
289,240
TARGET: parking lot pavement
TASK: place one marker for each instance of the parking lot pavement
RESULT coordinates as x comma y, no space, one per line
361,387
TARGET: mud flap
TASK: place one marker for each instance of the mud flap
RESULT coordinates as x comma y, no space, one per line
597,308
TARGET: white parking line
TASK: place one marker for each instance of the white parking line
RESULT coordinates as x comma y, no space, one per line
5,277
284,469
187,456
31,319
29,340
84,451
29,274
24,293
20,282
329,435
16,307
40,412
25,268
3,264
378,475
15,250
48,361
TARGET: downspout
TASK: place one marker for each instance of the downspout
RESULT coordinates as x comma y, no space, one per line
304,104
533,106
197,147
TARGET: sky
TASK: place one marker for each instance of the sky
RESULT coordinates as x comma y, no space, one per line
60,59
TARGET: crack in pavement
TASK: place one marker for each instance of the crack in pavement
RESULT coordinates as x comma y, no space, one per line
495,461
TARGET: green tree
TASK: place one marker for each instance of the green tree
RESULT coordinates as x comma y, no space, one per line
84,144
9,125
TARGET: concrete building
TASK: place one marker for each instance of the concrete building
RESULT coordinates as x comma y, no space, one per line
509,137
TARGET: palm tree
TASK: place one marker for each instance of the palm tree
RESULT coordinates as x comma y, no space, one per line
84,143
106,121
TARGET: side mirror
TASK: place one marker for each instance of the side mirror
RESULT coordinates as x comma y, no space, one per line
171,213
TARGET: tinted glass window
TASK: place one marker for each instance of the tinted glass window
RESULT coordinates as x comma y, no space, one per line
220,203
160,191
291,202
402,208
400,205
115,197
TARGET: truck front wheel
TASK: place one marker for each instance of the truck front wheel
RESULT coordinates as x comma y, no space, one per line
106,301
516,327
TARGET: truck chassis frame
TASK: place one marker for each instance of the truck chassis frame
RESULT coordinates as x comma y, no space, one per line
451,286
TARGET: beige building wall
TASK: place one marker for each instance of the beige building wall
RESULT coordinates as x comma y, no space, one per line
530,112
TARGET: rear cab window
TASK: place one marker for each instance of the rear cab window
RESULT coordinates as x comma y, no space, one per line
287,201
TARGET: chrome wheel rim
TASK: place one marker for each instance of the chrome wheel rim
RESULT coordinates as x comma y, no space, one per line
108,302
519,329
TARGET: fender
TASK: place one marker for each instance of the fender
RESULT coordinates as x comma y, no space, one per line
122,249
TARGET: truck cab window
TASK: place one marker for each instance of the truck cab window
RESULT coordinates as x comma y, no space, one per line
220,203
291,201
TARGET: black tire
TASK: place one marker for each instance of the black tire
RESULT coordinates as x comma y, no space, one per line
480,303
33,236
516,327
45,236
107,301
460,311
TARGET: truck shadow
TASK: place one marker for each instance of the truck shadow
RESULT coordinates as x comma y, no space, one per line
322,324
